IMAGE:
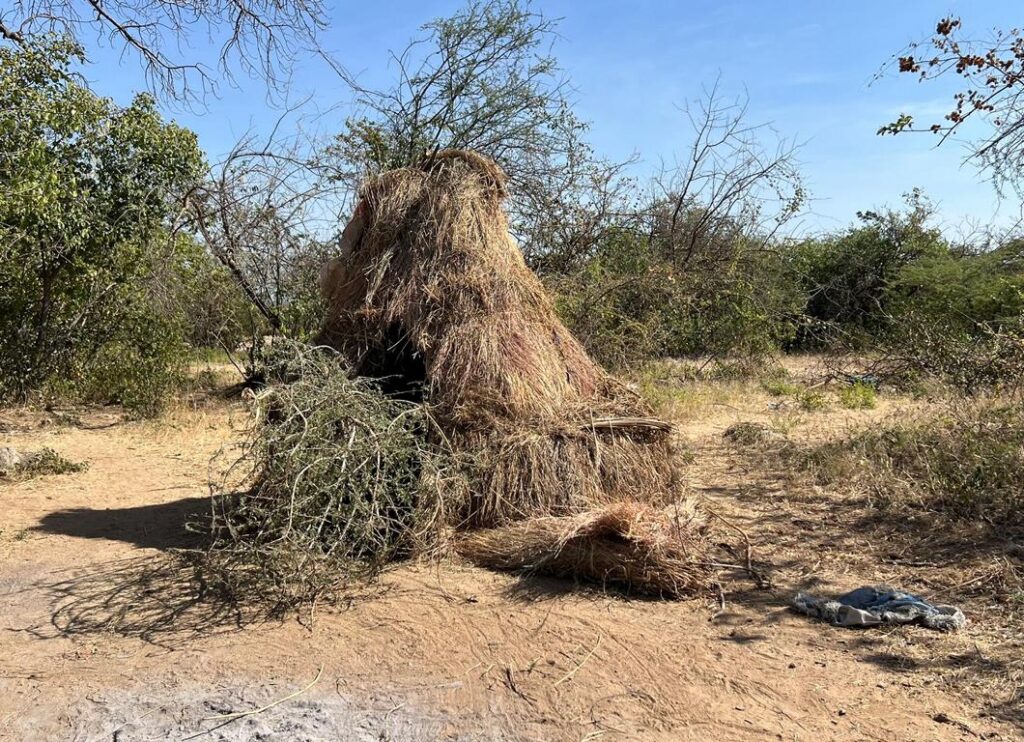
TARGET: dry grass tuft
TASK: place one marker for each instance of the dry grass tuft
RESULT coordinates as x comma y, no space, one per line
965,463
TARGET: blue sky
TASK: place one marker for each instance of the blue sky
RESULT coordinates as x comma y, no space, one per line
807,67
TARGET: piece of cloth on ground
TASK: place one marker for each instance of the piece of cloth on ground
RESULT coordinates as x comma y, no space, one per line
874,606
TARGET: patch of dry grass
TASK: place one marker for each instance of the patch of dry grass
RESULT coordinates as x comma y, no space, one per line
967,462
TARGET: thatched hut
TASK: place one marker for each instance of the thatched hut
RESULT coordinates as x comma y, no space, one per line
432,296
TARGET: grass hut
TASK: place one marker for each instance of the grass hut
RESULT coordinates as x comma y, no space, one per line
432,296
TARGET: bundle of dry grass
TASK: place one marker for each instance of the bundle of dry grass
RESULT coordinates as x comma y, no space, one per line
432,294
657,551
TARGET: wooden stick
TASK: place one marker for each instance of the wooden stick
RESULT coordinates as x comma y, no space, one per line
569,675
290,696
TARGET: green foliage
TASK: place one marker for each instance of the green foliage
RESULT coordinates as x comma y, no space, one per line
812,401
631,303
780,387
858,396
206,302
847,278
43,462
963,292
967,463
86,190
482,79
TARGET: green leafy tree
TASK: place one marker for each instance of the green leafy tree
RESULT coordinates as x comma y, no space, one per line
971,293
846,278
87,193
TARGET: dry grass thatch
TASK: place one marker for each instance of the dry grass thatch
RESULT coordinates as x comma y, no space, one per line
432,292
657,551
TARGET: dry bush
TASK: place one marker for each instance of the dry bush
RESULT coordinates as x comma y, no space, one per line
649,550
967,463
747,433
335,481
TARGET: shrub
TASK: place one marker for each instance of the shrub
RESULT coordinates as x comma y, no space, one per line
630,303
812,401
780,387
37,464
857,396
86,192
964,293
970,362
845,278
747,433
967,463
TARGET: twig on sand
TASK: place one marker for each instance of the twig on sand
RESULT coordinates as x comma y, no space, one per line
740,531
290,696
762,579
569,675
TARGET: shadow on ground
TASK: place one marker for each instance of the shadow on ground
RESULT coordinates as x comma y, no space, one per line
160,526
161,599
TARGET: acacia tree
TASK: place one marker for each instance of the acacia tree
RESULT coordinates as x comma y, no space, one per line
257,37
485,79
735,189
991,73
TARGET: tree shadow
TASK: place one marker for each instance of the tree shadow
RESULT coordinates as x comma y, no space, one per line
162,526
162,598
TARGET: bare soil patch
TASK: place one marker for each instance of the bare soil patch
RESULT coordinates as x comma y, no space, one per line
105,637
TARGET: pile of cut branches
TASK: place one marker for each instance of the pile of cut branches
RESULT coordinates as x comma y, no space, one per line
335,480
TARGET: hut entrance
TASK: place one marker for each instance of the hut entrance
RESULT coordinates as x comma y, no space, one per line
397,365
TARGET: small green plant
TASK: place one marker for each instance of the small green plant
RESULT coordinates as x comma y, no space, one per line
813,401
43,462
858,396
780,387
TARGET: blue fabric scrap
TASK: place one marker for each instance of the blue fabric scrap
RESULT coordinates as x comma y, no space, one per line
875,606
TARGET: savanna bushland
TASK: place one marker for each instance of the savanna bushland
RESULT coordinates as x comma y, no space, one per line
130,257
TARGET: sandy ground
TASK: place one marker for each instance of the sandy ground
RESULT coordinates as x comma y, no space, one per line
102,636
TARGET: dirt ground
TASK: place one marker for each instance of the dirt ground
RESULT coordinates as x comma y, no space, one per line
103,637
